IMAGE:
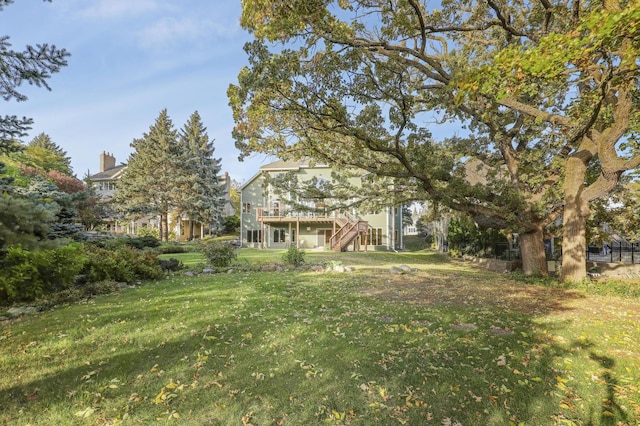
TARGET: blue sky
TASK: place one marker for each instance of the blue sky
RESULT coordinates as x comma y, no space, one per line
130,59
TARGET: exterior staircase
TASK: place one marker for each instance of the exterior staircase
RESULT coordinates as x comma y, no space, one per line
351,228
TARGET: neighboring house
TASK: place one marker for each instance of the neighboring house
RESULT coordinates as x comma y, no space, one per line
270,220
105,183
417,209
225,182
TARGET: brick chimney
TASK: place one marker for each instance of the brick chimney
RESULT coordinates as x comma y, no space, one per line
107,161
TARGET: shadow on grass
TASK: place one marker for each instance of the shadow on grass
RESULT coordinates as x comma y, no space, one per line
285,348
611,412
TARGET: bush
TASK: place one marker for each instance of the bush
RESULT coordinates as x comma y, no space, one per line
143,242
124,265
230,224
120,242
172,249
147,231
294,256
27,275
219,254
171,264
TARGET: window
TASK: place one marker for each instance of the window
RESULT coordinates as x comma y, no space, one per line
374,237
254,236
377,237
279,236
246,207
106,186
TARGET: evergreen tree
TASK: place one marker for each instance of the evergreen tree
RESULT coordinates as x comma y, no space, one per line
34,65
148,185
61,207
44,154
200,194
91,211
22,221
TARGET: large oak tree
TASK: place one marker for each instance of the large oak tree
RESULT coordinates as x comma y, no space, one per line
365,85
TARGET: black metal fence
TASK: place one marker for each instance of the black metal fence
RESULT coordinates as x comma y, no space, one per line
615,252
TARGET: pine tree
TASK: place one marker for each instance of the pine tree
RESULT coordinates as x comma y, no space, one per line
148,184
200,191
62,207
34,65
22,221
91,211
44,154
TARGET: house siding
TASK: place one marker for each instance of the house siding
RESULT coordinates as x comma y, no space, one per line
299,228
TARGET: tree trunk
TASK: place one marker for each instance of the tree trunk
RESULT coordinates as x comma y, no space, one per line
534,261
191,229
574,222
164,218
160,228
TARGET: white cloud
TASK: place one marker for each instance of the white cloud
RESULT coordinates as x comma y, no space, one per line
172,31
118,8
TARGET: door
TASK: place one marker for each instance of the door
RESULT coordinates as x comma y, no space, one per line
327,236
324,237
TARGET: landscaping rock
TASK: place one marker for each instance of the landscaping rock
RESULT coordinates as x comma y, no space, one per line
208,271
497,331
407,268
317,268
464,326
397,270
17,311
189,274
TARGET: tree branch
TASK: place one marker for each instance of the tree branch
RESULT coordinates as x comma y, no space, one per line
554,119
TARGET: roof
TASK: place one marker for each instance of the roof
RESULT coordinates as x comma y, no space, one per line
284,165
290,165
111,173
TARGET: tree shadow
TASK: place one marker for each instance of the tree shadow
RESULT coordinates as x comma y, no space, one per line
611,413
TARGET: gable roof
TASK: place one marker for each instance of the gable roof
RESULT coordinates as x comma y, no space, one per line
291,165
109,174
283,166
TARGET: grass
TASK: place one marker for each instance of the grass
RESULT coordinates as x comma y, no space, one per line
445,345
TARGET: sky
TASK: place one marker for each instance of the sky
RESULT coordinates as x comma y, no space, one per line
129,60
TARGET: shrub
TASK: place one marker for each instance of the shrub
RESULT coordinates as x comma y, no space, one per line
294,256
143,242
124,265
27,275
171,264
230,224
147,231
120,242
172,249
219,254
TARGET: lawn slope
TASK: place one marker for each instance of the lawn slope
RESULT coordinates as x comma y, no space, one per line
446,344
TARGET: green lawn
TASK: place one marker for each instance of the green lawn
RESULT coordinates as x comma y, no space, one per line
447,344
